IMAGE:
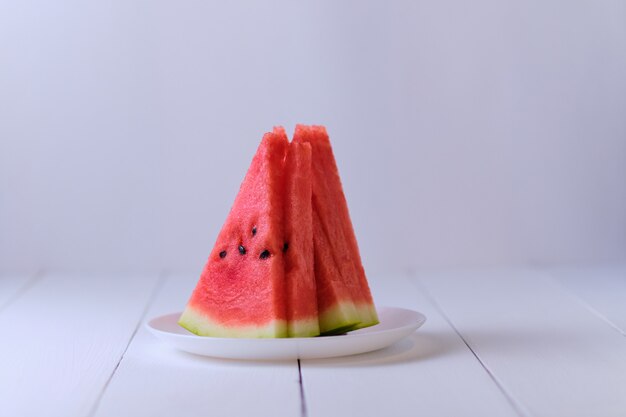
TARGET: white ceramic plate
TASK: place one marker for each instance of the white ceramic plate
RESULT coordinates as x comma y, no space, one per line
395,324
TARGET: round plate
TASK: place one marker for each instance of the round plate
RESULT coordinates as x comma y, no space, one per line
395,324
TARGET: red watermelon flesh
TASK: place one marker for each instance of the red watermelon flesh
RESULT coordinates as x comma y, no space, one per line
241,292
302,317
344,298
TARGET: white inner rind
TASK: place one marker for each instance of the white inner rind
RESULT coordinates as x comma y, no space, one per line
303,328
202,325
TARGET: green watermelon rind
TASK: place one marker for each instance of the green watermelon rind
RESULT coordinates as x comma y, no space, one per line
339,319
367,311
346,316
369,316
202,325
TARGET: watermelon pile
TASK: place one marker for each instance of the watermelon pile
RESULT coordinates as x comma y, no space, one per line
286,262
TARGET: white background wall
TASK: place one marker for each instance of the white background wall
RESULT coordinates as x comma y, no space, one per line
467,133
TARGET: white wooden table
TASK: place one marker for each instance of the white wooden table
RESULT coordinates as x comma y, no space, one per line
506,342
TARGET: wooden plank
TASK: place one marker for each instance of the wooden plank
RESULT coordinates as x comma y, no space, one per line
12,286
431,373
62,339
601,288
547,350
155,380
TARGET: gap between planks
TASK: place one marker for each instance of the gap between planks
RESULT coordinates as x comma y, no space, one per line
432,371
584,303
155,291
517,407
30,282
303,410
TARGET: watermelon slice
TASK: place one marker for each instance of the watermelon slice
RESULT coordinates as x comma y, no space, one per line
241,292
302,317
286,262
343,295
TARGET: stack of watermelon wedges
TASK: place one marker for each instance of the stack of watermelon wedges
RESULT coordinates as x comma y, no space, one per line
286,262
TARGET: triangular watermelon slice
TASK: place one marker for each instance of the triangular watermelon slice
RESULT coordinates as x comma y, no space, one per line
286,262
241,292
343,295
302,317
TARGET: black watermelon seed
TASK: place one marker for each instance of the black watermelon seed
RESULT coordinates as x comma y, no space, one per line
265,254
242,250
223,254
285,247
254,231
